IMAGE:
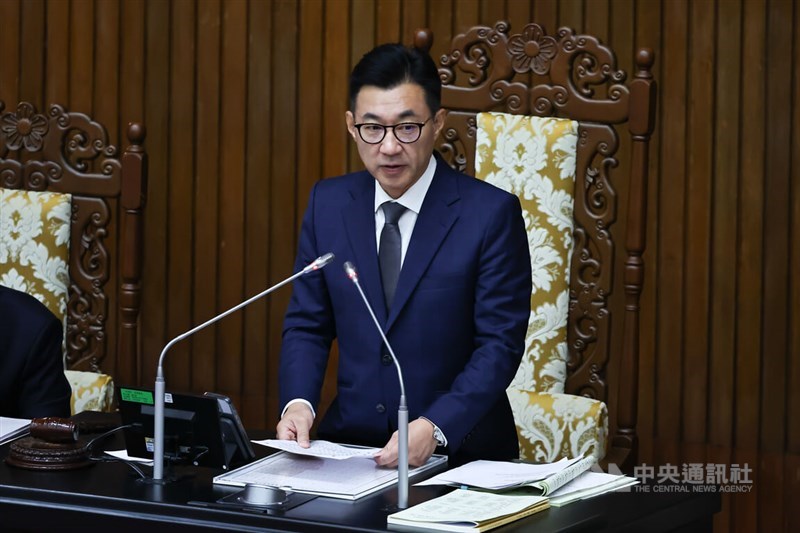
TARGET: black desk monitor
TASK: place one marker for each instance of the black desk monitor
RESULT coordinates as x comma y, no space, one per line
203,430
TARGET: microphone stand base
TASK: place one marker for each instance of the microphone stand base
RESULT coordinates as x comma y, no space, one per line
392,508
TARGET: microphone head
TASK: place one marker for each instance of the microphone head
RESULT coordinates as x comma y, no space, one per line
324,259
319,262
350,270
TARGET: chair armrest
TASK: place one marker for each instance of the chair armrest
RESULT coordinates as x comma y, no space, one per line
91,391
552,426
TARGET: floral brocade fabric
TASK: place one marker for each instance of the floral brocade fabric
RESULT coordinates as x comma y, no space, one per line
534,158
91,391
34,245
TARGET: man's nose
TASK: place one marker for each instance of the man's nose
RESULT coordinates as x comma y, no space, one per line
390,144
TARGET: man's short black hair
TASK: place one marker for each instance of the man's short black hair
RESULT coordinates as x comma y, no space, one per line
388,65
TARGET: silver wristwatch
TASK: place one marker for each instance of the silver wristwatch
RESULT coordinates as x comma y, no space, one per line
438,435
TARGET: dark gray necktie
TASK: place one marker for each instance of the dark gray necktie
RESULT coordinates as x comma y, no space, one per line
390,249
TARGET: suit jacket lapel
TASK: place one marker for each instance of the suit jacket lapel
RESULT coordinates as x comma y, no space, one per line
359,222
436,217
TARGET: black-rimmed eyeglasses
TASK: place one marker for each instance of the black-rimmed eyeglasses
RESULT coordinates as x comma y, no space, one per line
405,132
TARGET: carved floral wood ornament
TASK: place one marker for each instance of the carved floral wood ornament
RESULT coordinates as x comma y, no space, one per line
68,152
572,76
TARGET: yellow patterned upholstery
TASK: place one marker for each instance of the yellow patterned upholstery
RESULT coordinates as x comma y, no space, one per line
34,258
34,245
534,158
91,391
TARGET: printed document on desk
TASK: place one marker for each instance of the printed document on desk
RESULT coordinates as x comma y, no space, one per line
320,448
348,479
503,475
466,511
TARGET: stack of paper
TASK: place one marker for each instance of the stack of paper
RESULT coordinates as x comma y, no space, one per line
589,484
502,475
564,481
466,510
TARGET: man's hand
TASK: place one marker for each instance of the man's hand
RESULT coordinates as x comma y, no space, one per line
421,445
296,424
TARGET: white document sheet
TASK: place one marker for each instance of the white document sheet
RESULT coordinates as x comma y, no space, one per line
320,448
495,475
11,428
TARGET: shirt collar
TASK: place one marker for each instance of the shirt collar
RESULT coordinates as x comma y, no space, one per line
411,199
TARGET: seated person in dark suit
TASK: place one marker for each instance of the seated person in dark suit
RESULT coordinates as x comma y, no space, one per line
32,380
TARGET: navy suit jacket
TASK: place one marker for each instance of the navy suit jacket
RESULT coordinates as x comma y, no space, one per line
457,324
32,380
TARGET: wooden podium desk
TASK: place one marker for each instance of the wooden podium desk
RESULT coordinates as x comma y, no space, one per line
109,496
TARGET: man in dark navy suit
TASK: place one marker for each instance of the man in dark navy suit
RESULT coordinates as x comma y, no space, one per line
32,380
443,258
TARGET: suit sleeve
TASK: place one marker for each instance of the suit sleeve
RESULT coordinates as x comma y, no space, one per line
501,312
309,326
45,390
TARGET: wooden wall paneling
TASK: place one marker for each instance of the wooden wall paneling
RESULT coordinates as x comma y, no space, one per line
724,236
672,187
33,52
362,40
414,16
182,140
570,14
231,182
108,67
283,201
56,77
792,471
311,137
132,78
596,21
698,229
750,266
335,75
258,381
545,13
774,348
81,62
387,27
519,11
207,247
466,13
157,118
440,21
648,33
10,44
491,11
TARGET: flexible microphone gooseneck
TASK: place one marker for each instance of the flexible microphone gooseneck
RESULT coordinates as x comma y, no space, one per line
402,411
160,386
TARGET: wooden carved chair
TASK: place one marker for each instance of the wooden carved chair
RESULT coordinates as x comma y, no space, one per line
519,77
71,235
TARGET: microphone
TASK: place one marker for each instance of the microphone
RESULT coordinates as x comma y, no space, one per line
160,385
402,411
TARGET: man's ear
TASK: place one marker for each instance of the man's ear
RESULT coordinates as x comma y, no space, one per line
438,121
350,120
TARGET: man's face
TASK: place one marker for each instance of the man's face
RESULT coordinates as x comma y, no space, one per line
396,165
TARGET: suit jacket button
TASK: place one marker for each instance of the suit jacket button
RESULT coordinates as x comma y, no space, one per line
386,359
380,408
